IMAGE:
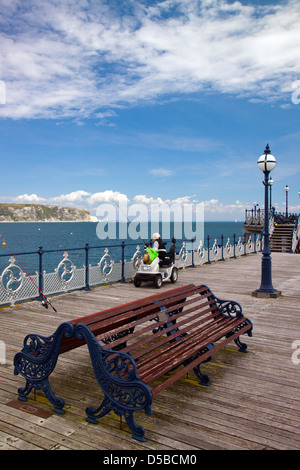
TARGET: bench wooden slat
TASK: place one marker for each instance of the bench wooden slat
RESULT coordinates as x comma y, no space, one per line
150,303
133,316
165,364
132,306
163,332
169,381
158,324
182,352
165,340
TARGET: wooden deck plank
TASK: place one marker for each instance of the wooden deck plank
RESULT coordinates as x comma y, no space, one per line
253,401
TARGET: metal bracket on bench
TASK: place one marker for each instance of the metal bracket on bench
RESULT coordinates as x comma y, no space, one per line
233,309
203,378
167,318
242,346
229,307
117,336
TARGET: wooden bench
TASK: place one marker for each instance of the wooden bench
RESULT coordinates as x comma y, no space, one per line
138,349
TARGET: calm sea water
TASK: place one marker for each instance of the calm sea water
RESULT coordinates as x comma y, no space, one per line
28,237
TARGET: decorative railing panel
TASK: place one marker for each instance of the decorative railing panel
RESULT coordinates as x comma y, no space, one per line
296,237
16,285
53,283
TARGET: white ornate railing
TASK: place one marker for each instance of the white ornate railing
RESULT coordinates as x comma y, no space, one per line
17,285
296,236
271,224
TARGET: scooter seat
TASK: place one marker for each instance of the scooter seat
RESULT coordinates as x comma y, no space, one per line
166,261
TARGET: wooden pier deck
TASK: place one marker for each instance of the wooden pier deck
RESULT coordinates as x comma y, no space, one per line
253,401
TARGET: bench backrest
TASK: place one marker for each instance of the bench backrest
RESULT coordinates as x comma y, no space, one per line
111,326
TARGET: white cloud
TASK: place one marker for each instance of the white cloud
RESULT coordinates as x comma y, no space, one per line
184,200
213,208
75,196
160,172
142,199
62,59
29,198
107,197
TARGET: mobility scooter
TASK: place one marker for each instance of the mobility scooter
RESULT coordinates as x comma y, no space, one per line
161,269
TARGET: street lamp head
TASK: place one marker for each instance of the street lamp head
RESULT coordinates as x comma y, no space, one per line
286,189
266,162
271,181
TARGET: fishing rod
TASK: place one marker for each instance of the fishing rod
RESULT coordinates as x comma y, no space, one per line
128,220
45,302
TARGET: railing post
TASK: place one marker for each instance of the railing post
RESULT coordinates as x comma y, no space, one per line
123,261
208,258
87,268
41,277
234,256
193,264
222,241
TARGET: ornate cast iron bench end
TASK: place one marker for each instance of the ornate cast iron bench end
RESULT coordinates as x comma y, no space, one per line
116,374
233,309
36,362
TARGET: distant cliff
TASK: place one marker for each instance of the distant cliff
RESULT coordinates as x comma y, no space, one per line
42,213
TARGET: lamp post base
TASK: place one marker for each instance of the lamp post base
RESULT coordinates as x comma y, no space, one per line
266,295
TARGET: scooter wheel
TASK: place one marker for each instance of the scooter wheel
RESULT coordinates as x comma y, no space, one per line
174,275
137,282
158,281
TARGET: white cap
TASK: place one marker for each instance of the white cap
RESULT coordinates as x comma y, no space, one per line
155,236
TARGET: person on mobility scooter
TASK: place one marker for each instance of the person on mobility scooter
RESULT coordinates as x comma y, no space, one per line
157,266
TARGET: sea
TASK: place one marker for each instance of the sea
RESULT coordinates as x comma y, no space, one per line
23,240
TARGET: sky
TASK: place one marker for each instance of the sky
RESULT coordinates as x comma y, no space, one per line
149,101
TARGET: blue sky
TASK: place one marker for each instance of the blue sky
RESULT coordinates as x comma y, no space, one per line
149,101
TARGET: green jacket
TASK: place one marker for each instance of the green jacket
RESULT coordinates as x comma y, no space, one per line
152,253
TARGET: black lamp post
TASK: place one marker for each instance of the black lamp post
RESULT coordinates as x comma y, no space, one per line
266,163
286,201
